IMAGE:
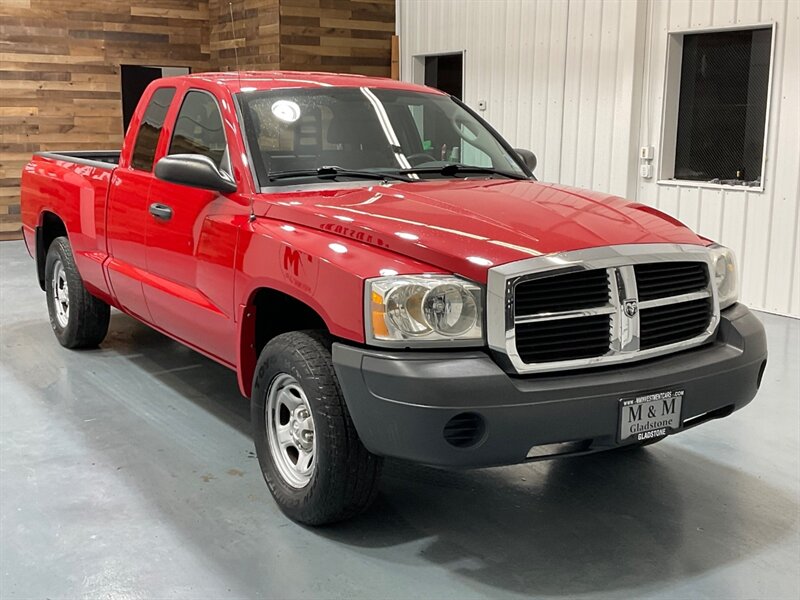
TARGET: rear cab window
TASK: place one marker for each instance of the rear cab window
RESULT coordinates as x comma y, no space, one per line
144,149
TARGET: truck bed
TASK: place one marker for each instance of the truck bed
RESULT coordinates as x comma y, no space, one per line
104,159
71,187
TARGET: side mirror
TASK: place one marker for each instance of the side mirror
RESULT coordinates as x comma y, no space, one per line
194,170
528,157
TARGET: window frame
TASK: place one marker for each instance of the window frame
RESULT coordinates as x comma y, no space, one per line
671,106
227,164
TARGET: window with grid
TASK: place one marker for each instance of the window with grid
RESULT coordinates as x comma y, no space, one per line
722,107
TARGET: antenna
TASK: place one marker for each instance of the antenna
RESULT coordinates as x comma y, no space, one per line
233,33
239,76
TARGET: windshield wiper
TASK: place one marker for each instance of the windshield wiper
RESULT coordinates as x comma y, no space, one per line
454,169
333,172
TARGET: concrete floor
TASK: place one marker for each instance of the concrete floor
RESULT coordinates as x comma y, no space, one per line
128,472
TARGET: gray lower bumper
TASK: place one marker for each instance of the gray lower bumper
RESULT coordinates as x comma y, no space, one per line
400,402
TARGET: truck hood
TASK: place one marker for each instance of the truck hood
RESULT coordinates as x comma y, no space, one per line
467,226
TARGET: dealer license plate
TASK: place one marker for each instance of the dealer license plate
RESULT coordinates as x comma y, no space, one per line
650,416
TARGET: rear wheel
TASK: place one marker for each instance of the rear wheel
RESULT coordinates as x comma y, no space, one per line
79,320
312,459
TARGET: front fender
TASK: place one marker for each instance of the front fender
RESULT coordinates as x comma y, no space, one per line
324,271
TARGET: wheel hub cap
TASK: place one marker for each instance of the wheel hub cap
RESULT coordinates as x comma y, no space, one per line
60,294
302,429
290,430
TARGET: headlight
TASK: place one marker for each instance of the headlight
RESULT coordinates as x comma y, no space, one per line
423,310
723,270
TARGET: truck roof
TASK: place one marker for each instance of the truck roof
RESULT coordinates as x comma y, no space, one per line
237,81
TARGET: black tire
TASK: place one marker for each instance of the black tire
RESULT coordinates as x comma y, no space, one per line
344,474
84,324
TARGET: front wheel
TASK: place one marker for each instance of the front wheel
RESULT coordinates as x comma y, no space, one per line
315,465
79,320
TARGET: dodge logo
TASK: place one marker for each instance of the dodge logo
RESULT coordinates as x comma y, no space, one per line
631,308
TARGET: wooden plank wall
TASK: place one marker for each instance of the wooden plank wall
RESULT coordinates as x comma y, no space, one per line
254,34
346,36
60,75
60,61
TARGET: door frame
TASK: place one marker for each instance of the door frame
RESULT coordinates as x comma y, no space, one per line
418,67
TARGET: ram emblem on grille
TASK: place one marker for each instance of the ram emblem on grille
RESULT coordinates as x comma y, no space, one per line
631,308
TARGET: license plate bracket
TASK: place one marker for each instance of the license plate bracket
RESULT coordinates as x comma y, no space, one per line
649,416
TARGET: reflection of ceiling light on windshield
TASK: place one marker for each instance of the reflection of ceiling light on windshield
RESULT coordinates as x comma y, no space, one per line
407,236
338,248
286,110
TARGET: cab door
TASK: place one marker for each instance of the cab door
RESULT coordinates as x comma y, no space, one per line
127,212
191,239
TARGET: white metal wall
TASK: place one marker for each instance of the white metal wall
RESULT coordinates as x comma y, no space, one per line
564,92
762,227
580,82
514,60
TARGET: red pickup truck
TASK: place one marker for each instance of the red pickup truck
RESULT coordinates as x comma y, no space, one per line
387,278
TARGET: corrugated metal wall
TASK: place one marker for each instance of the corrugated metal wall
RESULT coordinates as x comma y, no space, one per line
580,82
600,118
762,227
514,60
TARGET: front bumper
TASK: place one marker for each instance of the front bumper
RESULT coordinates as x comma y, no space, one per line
401,402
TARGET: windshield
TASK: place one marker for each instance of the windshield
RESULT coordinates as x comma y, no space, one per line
296,132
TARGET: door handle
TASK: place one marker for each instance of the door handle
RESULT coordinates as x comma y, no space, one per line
161,211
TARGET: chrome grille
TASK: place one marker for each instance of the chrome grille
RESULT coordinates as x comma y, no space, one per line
562,339
601,306
670,279
567,291
542,337
672,323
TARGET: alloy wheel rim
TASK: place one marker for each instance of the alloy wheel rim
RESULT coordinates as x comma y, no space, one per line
60,294
290,431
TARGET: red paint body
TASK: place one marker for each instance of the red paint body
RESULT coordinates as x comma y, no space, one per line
194,276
